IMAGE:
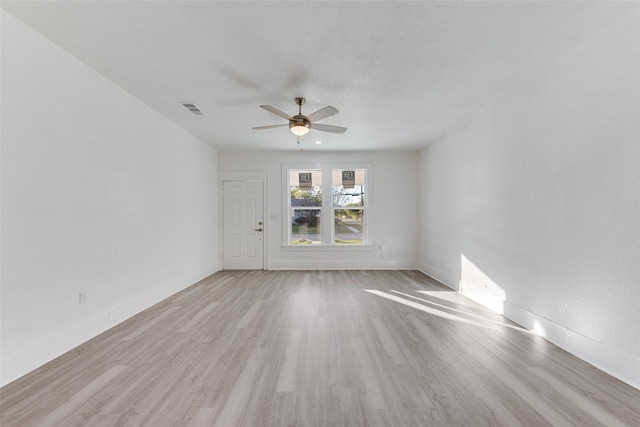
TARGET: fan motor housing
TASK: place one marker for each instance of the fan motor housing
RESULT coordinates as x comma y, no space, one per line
299,120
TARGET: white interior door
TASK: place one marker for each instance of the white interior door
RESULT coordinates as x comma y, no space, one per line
243,225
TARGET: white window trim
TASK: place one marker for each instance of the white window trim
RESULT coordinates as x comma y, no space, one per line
327,210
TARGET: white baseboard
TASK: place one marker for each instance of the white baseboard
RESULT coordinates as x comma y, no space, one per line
22,362
483,297
616,363
30,358
342,265
439,275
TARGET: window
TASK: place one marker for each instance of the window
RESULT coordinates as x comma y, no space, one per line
305,206
327,205
348,206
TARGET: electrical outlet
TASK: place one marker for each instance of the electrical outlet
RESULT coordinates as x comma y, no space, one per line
82,297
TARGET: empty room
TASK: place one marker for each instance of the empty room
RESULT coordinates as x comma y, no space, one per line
320,213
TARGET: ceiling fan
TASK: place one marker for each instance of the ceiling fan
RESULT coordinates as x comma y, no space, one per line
301,124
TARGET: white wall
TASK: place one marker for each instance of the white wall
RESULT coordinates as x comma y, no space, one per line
536,202
393,208
99,194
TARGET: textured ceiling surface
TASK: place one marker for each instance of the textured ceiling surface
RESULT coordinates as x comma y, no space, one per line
401,73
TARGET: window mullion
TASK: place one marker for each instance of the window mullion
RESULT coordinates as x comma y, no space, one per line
327,207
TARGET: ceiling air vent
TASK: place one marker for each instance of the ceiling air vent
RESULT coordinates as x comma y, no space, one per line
193,108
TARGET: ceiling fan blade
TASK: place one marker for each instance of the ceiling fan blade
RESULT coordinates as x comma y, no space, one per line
269,126
277,112
322,113
328,128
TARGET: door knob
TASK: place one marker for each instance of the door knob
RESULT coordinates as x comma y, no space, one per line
258,229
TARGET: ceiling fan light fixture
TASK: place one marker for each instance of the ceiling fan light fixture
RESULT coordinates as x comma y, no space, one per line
299,129
300,125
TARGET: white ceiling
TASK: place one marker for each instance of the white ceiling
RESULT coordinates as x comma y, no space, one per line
401,73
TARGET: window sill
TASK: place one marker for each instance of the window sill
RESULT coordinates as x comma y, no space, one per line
329,248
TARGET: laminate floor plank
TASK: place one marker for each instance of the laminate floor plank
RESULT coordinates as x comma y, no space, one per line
318,348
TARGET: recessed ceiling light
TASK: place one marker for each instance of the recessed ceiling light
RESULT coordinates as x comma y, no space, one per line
318,142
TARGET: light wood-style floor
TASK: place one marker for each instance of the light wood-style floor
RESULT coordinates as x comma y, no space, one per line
318,348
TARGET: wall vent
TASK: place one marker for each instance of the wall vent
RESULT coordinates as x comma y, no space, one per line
193,108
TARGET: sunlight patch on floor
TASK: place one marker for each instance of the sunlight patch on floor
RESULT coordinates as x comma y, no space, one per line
441,313
465,313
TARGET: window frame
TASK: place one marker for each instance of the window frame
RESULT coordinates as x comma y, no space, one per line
327,214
